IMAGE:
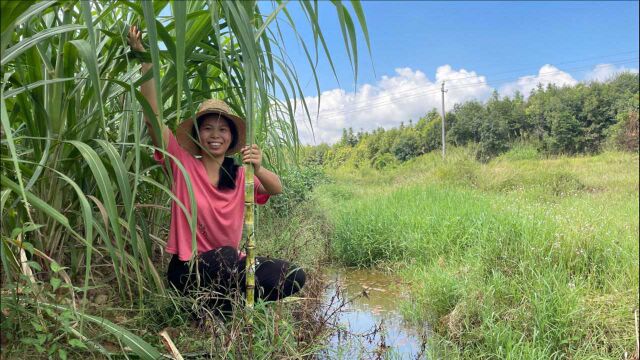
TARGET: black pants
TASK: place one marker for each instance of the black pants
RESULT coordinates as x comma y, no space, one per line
221,271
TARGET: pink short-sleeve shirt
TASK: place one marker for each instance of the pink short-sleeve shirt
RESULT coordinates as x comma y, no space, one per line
220,214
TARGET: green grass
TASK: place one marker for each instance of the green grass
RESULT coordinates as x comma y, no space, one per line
520,258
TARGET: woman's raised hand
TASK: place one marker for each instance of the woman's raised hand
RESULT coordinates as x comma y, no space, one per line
134,38
253,156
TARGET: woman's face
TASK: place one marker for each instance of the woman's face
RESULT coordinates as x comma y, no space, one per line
215,135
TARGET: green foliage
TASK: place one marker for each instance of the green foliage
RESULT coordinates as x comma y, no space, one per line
349,138
406,146
569,120
458,171
625,134
315,155
432,131
384,161
564,135
521,151
494,131
298,184
468,118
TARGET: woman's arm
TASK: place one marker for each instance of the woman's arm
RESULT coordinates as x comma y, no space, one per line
148,89
269,182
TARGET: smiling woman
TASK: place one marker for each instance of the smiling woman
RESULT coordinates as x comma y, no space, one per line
217,187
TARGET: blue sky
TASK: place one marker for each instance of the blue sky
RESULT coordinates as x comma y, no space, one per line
476,47
488,37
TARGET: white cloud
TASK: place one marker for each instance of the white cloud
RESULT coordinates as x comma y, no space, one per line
548,74
409,94
604,72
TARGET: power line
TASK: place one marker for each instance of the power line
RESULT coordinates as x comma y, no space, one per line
420,89
552,64
335,114
413,93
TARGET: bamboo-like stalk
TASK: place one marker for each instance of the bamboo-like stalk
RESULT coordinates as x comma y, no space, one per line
249,234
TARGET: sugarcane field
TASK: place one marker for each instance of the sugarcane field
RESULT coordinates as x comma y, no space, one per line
225,179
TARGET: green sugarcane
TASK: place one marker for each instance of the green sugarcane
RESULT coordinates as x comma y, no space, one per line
249,234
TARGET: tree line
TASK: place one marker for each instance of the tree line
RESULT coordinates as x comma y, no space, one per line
569,120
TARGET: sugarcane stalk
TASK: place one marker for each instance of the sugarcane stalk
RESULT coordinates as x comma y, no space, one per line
249,232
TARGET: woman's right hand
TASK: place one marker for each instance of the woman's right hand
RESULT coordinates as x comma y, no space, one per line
134,38
148,88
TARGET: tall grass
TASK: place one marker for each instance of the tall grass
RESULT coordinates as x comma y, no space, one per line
81,195
515,259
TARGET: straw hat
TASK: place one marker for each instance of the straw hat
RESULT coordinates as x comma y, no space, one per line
211,106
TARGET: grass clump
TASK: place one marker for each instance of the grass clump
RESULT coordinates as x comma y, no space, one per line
459,172
520,151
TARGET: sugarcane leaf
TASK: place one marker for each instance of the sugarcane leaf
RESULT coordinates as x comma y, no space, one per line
269,19
87,54
11,11
24,45
134,342
12,93
4,120
36,202
357,7
14,13
149,16
107,192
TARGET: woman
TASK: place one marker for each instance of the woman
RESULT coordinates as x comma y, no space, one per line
202,147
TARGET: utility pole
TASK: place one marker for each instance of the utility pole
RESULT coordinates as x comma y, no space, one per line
443,125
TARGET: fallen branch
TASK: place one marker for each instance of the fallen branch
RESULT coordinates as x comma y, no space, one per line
169,345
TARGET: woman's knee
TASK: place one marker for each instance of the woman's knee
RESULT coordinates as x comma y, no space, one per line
177,274
277,279
297,278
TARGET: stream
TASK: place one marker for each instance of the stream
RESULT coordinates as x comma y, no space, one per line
370,326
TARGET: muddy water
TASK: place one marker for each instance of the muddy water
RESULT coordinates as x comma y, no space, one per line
370,324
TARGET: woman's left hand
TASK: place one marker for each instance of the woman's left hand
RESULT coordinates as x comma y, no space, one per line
252,155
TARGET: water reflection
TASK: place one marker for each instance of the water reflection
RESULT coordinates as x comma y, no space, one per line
371,325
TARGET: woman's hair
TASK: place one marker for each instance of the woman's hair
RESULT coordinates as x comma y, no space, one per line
229,168
228,173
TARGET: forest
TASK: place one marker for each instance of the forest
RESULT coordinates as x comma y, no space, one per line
571,120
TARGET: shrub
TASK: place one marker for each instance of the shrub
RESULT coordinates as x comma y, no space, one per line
521,151
406,147
382,161
297,186
625,134
561,183
461,172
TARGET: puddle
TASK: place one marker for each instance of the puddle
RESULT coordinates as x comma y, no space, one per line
371,325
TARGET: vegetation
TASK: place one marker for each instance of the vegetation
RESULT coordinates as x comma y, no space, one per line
527,253
84,208
523,243
522,258
582,119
